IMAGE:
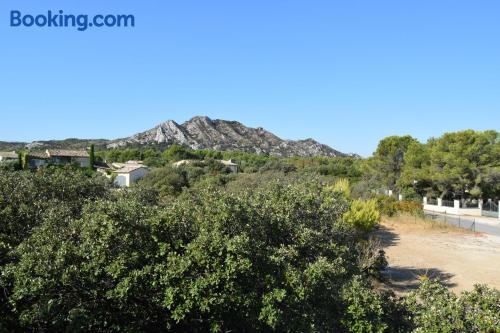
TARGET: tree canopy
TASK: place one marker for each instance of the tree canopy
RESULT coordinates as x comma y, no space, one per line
456,164
196,249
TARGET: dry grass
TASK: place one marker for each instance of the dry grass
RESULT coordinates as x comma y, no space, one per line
417,222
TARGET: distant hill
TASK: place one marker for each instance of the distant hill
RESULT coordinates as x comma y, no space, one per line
53,144
198,133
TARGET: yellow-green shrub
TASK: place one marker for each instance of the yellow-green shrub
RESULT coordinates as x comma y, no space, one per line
363,215
341,186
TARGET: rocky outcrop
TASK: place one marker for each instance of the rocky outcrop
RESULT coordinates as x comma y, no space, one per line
197,133
205,133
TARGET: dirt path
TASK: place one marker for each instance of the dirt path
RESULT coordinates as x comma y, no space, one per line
459,259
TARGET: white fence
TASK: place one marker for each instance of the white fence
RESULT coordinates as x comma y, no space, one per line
453,207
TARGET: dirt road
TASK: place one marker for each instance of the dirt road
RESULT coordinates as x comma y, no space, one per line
458,258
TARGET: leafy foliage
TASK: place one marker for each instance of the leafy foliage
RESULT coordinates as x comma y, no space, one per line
280,247
388,160
363,215
208,261
435,309
456,165
92,157
342,186
26,199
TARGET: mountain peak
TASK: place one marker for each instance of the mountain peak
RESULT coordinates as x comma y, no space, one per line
201,132
200,118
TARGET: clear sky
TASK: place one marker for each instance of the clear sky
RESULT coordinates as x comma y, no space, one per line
346,73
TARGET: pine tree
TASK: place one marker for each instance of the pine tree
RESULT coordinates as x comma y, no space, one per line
92,157
19,160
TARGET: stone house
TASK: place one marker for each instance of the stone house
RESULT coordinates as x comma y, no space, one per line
62,157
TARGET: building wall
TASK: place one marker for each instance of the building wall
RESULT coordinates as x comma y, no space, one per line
60,160
84,162
127,179
138,174
36,163
122,179
441,209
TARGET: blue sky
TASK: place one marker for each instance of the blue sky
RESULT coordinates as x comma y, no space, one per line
346,73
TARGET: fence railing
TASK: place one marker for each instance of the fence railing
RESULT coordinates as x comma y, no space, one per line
471,207
490,206
458,221
469,204
490,209
432,201
448,203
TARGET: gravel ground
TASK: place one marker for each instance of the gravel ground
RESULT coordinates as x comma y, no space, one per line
460,259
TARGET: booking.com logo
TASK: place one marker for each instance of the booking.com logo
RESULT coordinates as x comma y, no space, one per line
61,20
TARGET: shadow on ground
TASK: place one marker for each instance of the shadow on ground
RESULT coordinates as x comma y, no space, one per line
386,236
405,279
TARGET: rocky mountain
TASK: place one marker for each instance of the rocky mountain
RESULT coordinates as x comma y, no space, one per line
205,133
197,133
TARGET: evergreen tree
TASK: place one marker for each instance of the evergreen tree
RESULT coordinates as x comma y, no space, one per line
92,157
20,160
25,161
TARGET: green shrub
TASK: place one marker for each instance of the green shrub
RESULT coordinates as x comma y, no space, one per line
365,308
256,254
387,205
435,309
363,215
9,165
26,200
274,259
342,186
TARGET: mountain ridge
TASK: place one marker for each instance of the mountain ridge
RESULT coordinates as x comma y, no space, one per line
199,132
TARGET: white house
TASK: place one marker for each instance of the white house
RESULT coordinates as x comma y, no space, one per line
129,174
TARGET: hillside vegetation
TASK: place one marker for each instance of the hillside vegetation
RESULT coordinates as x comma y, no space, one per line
283,246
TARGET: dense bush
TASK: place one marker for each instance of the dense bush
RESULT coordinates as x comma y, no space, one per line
26,199
387,205
252,255
344,167
26,196
409,207
208,261
171,181
10,165
278,165
435,309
